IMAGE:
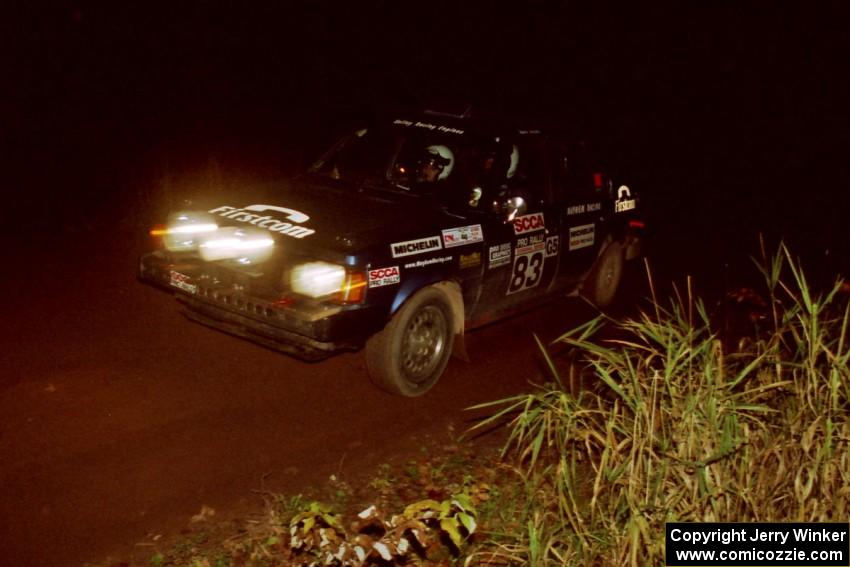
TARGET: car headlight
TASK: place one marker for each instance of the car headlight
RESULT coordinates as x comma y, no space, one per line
317,279
328,281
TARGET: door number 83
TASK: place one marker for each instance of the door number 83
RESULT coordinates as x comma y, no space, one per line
527,271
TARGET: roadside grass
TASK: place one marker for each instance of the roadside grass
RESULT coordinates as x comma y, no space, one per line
680,429
670,424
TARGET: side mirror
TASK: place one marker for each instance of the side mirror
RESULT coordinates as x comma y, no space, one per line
514,207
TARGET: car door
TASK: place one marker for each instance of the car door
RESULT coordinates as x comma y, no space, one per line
522,245
580,194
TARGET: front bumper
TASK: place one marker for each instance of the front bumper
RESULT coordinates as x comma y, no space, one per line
307,330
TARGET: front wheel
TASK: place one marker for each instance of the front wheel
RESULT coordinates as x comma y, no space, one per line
408,356
602,284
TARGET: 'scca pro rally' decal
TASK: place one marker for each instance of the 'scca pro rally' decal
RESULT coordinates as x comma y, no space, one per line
529,223
384,276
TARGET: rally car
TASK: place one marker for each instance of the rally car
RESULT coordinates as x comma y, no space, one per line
405,234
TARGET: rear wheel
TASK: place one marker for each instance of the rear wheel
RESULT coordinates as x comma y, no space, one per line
602,284
408,356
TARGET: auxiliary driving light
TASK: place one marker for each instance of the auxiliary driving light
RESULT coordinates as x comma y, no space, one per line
234,243
184,229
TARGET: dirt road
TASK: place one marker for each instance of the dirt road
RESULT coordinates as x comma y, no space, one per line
119,418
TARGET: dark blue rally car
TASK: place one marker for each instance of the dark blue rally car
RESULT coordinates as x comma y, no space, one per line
402,236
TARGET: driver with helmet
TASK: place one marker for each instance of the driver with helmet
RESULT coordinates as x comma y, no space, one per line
435,165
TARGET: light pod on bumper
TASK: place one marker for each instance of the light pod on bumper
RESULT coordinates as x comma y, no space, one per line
184,231
235,243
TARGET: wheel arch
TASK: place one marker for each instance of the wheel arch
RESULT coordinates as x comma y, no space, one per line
591,278
452,289
606,242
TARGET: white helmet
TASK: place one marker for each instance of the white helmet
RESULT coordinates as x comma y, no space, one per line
441,155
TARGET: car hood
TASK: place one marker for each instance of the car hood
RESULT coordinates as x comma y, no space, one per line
325,219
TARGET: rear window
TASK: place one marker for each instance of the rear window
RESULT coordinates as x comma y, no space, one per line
576,171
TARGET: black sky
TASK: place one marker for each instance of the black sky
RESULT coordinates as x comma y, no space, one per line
732,113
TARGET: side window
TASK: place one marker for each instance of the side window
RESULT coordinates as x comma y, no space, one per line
363,153
575,175
531,177
425,164
501,169
480,176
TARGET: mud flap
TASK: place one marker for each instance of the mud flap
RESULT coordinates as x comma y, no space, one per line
633,247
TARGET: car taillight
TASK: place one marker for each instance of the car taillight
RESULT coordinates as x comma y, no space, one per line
597,180
353,289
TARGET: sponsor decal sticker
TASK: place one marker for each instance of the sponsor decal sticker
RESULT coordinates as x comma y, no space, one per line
384,276
582,236
553,245
529,223
585,208
418,246
470,260
621,206
428,262
427,126
527,271
624,201
182,281
462,235
528,263
529,244
250,214
500,255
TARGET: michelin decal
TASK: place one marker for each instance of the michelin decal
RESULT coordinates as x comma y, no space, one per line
418,246
582,236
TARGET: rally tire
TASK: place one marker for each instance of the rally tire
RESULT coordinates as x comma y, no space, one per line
603,282
408,356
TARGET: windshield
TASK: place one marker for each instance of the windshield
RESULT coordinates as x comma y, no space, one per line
406,159
362,155
457,167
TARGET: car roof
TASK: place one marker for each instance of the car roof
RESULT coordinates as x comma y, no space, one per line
466,124
480,123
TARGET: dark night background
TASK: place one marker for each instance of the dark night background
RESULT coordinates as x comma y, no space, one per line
729,118
120,419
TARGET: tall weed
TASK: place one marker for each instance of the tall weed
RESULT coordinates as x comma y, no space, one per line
675,428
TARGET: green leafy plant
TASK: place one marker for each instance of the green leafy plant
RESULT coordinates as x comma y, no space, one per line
317,533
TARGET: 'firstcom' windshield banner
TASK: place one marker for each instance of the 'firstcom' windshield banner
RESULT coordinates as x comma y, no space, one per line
758,544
